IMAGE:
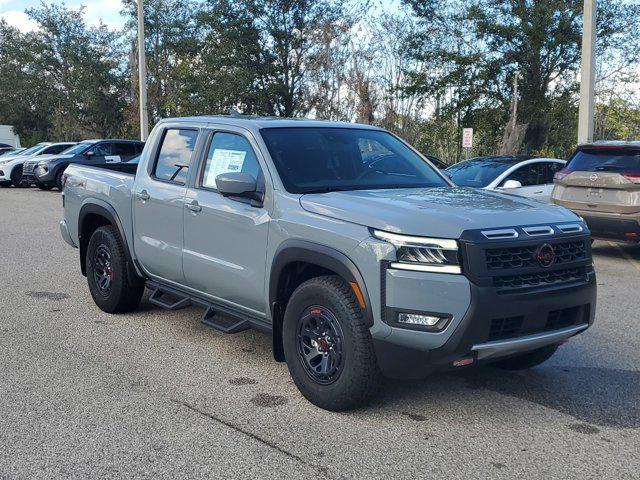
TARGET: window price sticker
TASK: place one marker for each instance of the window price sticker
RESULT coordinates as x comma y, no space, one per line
223,161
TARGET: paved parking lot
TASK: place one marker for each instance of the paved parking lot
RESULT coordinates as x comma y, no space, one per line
157,394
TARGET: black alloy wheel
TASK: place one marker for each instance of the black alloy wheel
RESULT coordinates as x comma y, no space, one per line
320,344
103,270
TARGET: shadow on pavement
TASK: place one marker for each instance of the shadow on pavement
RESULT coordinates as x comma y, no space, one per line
598,396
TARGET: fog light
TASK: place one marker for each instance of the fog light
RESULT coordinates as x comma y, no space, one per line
423,320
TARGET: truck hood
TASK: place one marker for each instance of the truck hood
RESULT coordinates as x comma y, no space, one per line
437,212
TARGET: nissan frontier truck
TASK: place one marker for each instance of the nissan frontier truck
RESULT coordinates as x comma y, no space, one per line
345,244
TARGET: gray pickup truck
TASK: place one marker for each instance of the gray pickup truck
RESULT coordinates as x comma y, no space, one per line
358,256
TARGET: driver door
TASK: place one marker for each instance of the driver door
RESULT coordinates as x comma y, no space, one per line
225,239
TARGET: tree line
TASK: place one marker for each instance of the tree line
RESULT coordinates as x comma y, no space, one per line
423,69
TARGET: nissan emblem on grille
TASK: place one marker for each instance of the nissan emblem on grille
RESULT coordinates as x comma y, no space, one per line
545,255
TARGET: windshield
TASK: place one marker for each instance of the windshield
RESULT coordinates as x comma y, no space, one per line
77,148
31,150
477,173
135,160
323,159
605,159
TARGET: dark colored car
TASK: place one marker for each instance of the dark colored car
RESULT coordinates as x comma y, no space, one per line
46,172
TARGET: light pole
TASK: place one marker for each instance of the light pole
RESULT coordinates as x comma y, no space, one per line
587,73
142,75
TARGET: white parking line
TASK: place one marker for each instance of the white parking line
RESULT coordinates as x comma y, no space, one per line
626,256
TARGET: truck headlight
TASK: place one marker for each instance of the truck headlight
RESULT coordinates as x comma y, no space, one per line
423,254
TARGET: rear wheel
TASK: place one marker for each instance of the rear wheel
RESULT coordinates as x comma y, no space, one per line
328,346
108,273
527,360
16,177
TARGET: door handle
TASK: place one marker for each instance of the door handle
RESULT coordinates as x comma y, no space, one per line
193,206
143,195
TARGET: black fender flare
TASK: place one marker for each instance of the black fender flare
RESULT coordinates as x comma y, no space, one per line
103,209
316,254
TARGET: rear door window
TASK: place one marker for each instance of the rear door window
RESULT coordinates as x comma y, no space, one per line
549,169
174,155
124,149
617,160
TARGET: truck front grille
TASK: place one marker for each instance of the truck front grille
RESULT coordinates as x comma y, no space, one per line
525,256
539,279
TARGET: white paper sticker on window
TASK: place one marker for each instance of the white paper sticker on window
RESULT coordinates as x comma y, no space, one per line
223,161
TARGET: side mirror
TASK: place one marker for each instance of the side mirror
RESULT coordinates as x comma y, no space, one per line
511,184
238,184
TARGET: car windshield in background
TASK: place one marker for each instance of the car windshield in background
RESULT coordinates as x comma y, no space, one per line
619,160
324,159
135,160
477,173
77,148
31,150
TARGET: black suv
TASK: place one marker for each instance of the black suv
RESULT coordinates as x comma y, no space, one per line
46,172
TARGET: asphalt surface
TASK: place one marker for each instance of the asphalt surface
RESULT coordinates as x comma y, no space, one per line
155,394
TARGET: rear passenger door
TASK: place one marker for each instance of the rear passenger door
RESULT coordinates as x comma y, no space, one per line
225,239
158,204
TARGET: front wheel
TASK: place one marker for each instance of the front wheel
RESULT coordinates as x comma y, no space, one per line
16,177
108,273
327,345
58,180
527,360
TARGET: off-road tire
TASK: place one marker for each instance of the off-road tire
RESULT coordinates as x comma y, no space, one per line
527,360
122,295
359,377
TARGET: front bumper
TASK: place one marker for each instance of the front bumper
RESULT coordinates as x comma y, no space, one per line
64,231
505,303
495,326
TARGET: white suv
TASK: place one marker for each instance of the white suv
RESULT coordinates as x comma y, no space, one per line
11,165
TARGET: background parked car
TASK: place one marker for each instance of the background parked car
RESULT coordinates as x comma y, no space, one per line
601,183
6,150
524,176
47,172
11,166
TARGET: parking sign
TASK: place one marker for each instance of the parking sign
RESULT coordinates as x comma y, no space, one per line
467,137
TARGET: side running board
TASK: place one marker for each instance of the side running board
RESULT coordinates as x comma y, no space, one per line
169,300
215,316
225,323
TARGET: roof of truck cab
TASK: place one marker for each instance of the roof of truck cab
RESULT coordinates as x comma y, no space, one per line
257,123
